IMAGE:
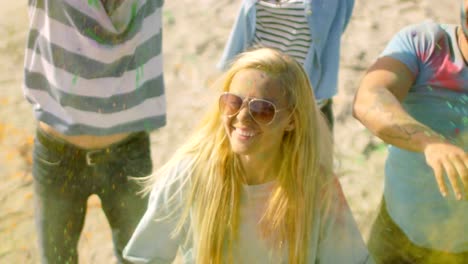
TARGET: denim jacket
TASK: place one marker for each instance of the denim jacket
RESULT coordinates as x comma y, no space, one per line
327,20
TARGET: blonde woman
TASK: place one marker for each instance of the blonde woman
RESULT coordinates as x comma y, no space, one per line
254,183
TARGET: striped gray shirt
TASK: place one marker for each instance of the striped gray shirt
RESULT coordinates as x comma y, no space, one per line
282,25
92,71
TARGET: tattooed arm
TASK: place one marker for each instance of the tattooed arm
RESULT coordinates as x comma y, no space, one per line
377,106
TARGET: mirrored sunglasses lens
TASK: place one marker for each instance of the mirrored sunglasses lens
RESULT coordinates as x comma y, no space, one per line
229,104
262,111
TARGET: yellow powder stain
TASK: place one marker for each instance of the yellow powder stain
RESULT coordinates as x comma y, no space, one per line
3,101
28,196
18,174
11,155
87,235
2,132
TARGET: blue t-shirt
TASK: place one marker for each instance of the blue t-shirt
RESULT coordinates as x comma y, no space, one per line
438,99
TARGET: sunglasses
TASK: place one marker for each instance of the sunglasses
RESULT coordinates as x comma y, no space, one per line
262,111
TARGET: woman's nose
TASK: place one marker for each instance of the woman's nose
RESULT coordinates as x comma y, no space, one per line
244,114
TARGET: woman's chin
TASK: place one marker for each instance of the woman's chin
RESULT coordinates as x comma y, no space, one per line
241,150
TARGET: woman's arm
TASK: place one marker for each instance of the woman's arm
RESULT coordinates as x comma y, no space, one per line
340,240
151,242
154,240
378,106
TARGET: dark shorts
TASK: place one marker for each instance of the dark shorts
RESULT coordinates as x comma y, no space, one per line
389,245
64,178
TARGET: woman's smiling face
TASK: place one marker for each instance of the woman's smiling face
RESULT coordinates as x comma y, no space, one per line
246,136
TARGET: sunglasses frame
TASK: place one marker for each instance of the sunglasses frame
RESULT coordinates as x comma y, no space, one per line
247,101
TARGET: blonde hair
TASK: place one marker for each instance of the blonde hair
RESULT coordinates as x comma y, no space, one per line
212,204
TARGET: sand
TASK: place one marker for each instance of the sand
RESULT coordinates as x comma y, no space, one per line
194,36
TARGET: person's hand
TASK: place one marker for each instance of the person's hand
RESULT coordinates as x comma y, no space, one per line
448,158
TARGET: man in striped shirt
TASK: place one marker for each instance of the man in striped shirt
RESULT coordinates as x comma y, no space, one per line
308,30
93,73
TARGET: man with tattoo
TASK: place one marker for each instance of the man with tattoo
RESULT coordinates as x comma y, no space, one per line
415,98
93,73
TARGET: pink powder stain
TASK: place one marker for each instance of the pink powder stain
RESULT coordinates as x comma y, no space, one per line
423,55
446,70
339,211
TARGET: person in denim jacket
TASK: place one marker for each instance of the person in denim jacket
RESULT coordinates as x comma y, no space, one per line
308,30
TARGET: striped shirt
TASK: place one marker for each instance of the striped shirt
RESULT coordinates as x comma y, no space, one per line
96,70
283,26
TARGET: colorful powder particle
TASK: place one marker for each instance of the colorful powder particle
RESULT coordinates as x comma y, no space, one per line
462,110
4,101
361,160
138,76
147,125
449,105
75,78
169,17
457,131
94,36
381,147
93,3
427,133
134,10
464,98
191,58
438,46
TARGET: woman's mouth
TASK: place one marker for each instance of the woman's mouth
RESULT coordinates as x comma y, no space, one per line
244,133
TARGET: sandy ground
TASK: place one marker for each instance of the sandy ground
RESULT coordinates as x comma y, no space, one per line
191,48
